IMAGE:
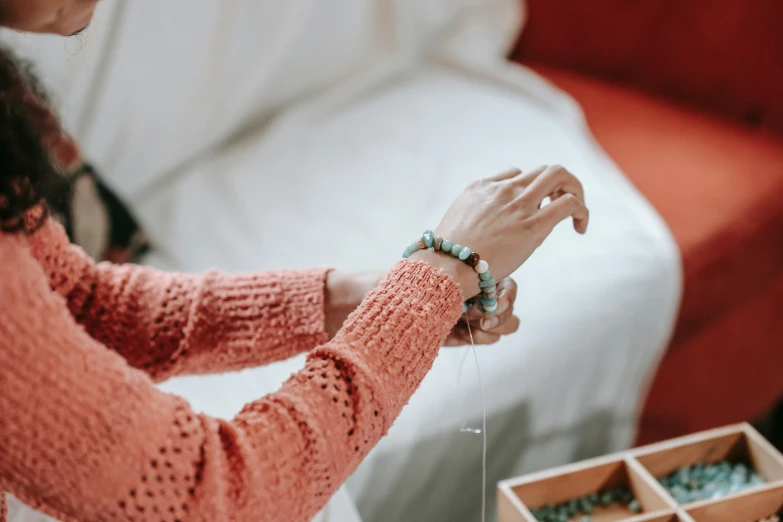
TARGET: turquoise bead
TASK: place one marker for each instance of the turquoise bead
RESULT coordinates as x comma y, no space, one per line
405,254
446,246
606,498
488,283
486,275
585,519
635,506
429,238
489,302
710,481
465,253
455,250
494,312
464,307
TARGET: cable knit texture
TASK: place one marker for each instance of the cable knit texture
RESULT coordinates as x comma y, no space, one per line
85,435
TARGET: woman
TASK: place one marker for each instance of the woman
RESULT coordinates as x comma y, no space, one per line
84,434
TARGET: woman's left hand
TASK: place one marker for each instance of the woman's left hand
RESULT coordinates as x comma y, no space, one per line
487,329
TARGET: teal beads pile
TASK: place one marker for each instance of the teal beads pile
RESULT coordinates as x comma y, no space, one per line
487,283
710,481
569,509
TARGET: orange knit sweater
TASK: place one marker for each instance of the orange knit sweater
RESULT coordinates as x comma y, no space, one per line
85,436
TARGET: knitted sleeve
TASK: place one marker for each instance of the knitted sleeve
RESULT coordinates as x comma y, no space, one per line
85,437
169,324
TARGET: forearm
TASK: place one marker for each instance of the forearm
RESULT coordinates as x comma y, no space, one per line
169,324
130,449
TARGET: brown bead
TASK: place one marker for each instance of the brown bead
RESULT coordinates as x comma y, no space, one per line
473,259
421,244
438,241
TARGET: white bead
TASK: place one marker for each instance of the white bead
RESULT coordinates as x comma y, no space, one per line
482,267
491,308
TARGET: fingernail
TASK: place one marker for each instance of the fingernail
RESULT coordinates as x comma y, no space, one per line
489,323
501,293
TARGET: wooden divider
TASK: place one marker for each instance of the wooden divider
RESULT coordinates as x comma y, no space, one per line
639,469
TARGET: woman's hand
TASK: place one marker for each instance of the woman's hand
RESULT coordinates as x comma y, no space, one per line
501,218
486,329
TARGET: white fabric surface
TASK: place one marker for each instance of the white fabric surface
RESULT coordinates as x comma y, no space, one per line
352,131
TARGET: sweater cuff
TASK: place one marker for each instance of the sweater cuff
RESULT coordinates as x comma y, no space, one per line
396,333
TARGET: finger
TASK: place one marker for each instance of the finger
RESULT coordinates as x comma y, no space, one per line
507,326
507,289
551,181
528,177
481,337
491,322
506,292
552,197
507,174
460,336
455,339
474,313
565,206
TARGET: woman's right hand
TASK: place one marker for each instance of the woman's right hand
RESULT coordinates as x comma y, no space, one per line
501,218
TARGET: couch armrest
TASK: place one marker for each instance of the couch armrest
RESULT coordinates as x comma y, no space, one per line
722,55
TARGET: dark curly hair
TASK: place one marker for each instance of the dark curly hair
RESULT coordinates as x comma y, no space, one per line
29,175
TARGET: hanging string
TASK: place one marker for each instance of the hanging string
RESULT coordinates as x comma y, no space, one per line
483,430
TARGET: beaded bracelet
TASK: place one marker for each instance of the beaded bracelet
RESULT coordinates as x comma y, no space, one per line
487,283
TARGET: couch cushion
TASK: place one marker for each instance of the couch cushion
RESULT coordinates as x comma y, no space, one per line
718,185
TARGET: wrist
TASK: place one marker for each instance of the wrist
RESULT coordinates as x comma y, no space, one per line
463,275
344,292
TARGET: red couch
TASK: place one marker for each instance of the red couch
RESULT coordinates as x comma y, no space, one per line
687,97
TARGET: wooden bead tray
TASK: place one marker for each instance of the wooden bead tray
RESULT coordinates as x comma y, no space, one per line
639,469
